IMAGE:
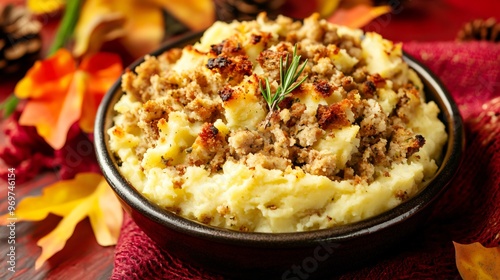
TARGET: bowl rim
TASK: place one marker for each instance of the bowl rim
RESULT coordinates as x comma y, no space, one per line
129,195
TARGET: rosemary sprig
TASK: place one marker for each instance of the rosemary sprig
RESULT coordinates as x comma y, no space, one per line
289,73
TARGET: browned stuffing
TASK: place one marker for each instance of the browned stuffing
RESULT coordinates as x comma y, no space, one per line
226,93
231,46
288,138
323,87
269,60
233,68
333,116
401,195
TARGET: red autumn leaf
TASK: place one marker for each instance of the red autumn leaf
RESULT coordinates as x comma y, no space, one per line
23,149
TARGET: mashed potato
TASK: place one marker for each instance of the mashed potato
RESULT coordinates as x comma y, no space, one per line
194,134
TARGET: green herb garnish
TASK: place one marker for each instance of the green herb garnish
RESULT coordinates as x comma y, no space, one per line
289,73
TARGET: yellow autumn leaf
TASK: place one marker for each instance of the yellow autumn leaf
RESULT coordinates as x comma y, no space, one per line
108,220
138,25
45,6
477,262
327,7
87,194
195,14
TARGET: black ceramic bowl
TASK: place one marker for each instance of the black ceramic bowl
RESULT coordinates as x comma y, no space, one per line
302,255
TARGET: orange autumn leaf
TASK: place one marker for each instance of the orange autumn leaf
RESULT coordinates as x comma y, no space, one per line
101,71
87,195
60,93
477,262
51,75
357,16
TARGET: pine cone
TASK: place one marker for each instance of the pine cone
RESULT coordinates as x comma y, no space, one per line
480,30
228,10
20,41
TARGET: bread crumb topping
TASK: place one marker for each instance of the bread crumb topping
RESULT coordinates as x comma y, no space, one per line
357,124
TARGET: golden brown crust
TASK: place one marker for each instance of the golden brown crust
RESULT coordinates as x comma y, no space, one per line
228,47
287,139
334,116
323,87
232,68
269,60
195,134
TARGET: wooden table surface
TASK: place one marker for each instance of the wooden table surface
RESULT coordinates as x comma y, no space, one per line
83,258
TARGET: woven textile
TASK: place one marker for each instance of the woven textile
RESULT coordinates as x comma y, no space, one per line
468,212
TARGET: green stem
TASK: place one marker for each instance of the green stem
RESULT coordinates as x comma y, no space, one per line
67,25
8,106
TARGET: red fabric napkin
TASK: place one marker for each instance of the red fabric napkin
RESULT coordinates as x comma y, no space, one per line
468,212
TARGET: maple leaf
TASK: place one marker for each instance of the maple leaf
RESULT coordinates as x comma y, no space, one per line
87,195
57,88
138,25
477,262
